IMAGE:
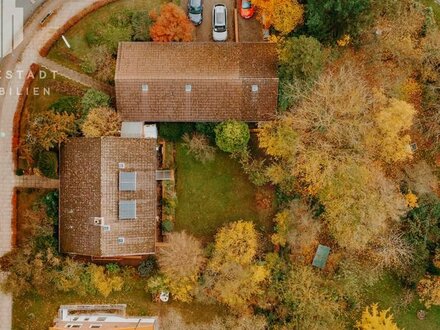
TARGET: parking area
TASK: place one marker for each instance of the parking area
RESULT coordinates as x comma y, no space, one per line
249,30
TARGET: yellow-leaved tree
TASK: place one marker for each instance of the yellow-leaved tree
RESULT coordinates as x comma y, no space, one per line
375,319
233,276
283,15
390,139
104,283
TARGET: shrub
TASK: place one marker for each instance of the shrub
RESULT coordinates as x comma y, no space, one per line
94,99
167,226
174,131
92,38
232,136
148,267
19,172
50,200
112,268
198,146
141,26
429,290
48,164
67,104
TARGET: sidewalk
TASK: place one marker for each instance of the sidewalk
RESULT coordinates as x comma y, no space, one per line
23,57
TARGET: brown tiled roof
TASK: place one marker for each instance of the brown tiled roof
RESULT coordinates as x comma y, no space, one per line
221,76
89,187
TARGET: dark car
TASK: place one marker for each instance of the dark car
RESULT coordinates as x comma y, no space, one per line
195,11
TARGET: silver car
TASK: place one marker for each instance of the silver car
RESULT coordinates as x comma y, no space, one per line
219,23
195,11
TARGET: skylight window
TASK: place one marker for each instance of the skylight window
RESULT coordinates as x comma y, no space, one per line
254,88
127,209
188,88
127,181
144,88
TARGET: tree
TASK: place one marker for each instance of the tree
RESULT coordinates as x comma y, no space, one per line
304,293
330,19
181,262
172,24
94,99
232,136
278,138
358,202
283,15
301,58
236,242
101,122
389,139
47,129
198,146
376,319
233,277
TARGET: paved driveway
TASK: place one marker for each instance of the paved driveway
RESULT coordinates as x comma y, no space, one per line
204,30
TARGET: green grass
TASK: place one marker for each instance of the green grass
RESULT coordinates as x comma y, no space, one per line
212,194
390,293
435,7
76,36
35,312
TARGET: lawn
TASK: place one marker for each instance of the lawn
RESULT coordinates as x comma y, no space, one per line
435,8
34,312
212,194
77,35
404,304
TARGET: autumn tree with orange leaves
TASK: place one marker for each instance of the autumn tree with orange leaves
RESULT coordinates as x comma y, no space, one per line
171,24
283,15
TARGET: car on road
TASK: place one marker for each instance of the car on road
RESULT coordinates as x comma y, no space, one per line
195,11
219,23
247,9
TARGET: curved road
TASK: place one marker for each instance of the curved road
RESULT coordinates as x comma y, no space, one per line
20,61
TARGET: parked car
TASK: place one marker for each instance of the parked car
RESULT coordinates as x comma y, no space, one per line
195,11
219,23
247,9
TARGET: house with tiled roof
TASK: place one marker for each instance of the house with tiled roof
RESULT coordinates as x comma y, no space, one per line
108,196
196,82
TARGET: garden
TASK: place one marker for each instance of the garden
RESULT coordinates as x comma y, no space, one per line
67,109
94,40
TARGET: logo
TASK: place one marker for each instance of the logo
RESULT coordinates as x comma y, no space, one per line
11,27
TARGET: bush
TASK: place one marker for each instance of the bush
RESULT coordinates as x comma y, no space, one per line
67,104
48,164
206,129
51,202
174,131
19,172
167,226
148,267
112,268
94,99
92,38
232,136
141,26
